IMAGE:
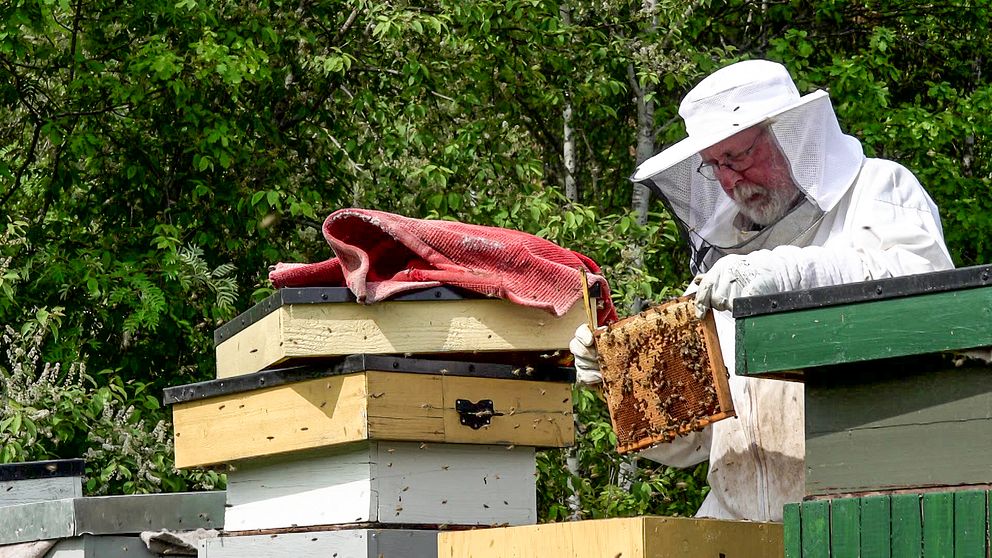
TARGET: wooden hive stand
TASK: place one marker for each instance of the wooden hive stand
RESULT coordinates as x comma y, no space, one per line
364,430
898,421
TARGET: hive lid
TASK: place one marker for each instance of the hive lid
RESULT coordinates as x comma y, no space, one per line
865,291
42,469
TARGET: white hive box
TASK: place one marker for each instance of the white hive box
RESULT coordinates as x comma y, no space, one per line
385,483
347,543
321,322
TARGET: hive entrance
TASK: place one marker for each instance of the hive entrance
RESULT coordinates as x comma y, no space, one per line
663,374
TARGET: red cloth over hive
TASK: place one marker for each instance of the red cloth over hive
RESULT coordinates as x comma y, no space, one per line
380,255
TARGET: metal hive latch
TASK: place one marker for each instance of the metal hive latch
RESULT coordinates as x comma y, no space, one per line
475,415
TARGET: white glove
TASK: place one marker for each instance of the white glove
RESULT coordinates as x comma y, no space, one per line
583,348
734,275
784,268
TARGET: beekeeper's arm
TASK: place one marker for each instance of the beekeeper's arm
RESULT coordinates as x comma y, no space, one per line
891,229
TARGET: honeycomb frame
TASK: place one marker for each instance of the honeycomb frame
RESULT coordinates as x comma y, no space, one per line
663,374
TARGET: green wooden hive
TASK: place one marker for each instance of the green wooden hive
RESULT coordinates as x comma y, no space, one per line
898,421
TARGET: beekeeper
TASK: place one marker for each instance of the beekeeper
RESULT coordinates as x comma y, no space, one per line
772,197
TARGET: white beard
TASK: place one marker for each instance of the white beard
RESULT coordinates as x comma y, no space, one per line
773,205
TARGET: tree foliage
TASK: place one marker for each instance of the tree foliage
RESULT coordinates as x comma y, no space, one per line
157,156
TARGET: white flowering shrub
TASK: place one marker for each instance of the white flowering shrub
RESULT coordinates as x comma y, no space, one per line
48,411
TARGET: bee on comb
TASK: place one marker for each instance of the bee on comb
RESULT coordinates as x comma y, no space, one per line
663,374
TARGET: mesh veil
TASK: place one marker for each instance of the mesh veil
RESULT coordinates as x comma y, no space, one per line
824,163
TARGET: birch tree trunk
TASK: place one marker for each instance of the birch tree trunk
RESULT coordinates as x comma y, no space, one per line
568,152
568,133
573,501
640,199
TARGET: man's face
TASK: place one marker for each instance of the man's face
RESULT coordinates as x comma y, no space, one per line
754,172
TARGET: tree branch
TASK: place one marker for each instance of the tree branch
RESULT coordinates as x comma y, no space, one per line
27,162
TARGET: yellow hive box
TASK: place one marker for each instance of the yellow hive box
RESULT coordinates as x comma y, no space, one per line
315,322
636,537
370,397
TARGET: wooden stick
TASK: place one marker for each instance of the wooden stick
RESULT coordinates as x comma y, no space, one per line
590,316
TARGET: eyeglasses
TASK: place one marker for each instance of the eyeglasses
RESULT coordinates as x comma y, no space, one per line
737,163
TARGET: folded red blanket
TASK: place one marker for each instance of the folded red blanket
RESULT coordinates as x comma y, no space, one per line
380,255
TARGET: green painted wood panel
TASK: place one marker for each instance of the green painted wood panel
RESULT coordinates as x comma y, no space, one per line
970,524
886,459
792,531
922,392
815,527
875,527
907,527
845,528
938,525
863,430
864,331
951,524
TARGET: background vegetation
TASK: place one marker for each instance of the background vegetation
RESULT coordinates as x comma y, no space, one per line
156,156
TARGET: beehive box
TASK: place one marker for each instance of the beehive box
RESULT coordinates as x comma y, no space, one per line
887,406
110,515
370,397
345,543
663,374
634,537
101,546
317,322
938,524
785,334
385,484
38,481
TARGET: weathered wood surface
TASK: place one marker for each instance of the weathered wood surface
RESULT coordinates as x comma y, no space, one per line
102,546
109,515
907,525
417,327
345,543
876,525
868,430
37,481
638,537
815,521
37,521
845,529
388,483
375,405
786,343
38,490
931,525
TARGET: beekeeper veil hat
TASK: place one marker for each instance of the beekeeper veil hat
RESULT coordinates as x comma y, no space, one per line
824,162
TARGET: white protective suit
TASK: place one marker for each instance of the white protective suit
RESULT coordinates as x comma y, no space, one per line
862,219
